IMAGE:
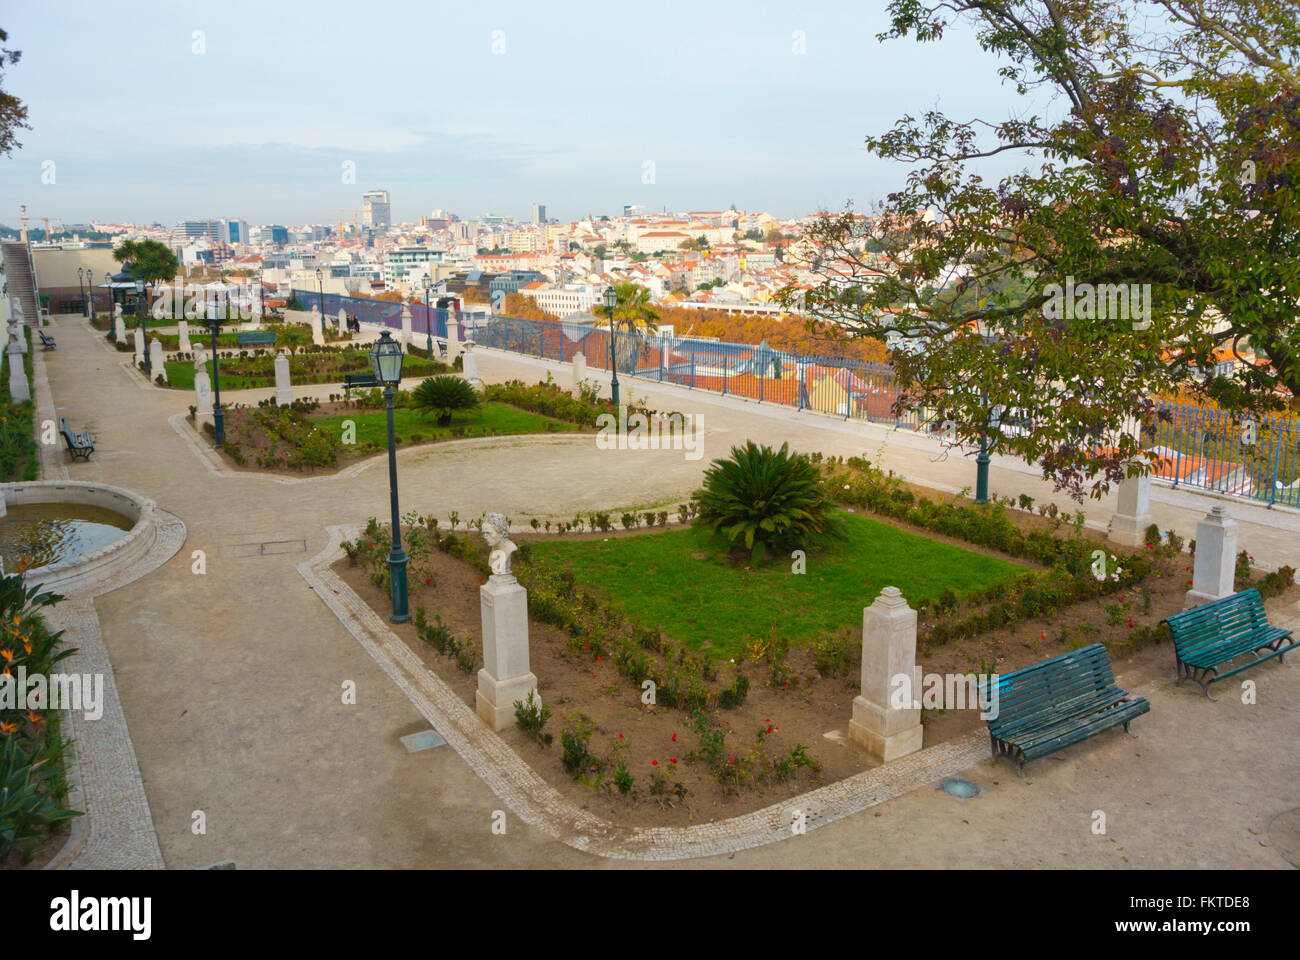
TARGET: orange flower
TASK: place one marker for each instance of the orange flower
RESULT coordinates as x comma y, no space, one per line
8,728
34,717
8,655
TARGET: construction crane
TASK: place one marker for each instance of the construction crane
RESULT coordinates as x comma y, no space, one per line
356,222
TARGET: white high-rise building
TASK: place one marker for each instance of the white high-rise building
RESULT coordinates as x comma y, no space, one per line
376,211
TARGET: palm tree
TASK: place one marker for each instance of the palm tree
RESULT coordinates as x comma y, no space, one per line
634,313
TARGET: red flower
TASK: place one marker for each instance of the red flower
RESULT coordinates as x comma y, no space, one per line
620,736
427,581
654,763
600,658
674,738
672,759
769,729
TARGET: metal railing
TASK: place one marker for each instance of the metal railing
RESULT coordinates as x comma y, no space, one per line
1257,459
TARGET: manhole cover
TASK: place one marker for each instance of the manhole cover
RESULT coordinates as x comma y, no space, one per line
424,740
959,787
1284,834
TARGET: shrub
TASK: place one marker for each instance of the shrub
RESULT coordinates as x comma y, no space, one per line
575,752
764,499
444,396
531,716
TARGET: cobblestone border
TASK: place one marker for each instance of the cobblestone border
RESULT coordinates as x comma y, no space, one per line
116,830
541,805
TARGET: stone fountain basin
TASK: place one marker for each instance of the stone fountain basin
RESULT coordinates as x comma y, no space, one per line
77,573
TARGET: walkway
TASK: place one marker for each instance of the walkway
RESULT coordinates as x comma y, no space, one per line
231,681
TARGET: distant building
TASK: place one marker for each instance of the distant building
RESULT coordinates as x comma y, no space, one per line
197,230
633,209
539,213
234,231
275,234
376,212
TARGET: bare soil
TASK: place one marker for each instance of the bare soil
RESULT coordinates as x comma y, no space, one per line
813,710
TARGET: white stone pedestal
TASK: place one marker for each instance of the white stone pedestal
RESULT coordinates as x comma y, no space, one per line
1215,567
202,397
1132,515
579,372
453,340
343,321
19,389
506,676
406,326
139,345
184,329
469,367
156,360
283,386
888,651
317,334
119,331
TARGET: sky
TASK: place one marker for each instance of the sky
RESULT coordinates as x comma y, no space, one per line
474,108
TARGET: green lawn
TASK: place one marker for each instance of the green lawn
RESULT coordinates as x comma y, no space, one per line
684,582
180,373
495,418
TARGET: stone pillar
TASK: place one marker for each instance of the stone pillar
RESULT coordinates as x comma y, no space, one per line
156,360
283,387
406,325
343,321
470,368
453,339
888,652
202,396
119,328
317,334
185,345
1132,515
19,389
506,676
1215,566
139,345
579,372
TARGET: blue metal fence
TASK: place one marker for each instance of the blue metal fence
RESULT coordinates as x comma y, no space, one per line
1256,459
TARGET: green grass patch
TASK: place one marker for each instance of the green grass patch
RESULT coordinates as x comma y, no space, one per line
492,418
180,373
685,582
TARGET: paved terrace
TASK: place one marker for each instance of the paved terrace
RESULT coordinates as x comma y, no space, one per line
230,682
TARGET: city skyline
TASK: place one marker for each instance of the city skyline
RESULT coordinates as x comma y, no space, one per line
240,126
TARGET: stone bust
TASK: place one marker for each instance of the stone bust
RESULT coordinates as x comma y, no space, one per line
497,534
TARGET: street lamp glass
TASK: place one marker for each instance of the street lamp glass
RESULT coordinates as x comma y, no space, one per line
609,297
386,360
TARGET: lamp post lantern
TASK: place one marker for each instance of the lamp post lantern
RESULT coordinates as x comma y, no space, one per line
428,321
139,315
386,361
320,298
610,299
82,290
218,417
112,304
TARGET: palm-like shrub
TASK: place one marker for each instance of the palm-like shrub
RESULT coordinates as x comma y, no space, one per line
764,498
443,396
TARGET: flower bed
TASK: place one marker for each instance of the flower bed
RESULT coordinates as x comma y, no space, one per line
33,789
733,729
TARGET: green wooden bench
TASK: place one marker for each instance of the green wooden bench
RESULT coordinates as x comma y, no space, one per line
351,380
255,338
1211,636
47,342
80,445
1054,704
